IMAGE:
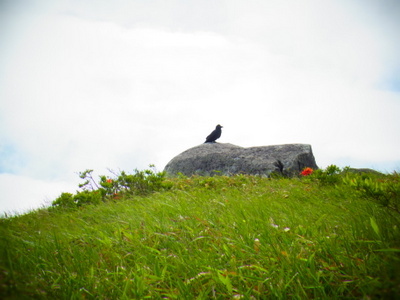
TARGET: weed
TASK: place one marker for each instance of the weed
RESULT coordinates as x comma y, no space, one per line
139,183
385,189
329,176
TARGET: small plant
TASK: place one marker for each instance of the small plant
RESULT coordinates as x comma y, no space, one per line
139,183
89,184
332,170
65,200
329,176
384,190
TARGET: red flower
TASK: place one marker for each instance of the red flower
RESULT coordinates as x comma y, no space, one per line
307,171
109,181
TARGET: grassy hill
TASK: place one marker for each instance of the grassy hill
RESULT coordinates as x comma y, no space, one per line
328,235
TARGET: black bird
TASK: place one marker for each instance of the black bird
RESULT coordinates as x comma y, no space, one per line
214,135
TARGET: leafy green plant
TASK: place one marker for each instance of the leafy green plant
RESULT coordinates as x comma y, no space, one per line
88,197
383,189
65,200
89,184
328,176
139,183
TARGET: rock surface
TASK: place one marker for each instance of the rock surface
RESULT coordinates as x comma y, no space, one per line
227,159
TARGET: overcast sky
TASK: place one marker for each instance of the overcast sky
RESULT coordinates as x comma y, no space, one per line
123,84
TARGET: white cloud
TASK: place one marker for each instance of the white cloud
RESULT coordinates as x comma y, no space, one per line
21,194
108,88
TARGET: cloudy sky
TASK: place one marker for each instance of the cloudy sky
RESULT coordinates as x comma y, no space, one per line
123,84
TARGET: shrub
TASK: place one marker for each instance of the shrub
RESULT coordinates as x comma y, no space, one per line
65,200
88,197
139,183
329,176
384,190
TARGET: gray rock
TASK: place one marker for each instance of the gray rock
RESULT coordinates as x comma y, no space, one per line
226,159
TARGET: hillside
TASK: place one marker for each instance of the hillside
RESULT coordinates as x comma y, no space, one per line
330,234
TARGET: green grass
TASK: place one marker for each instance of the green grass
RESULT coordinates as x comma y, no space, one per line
240,237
